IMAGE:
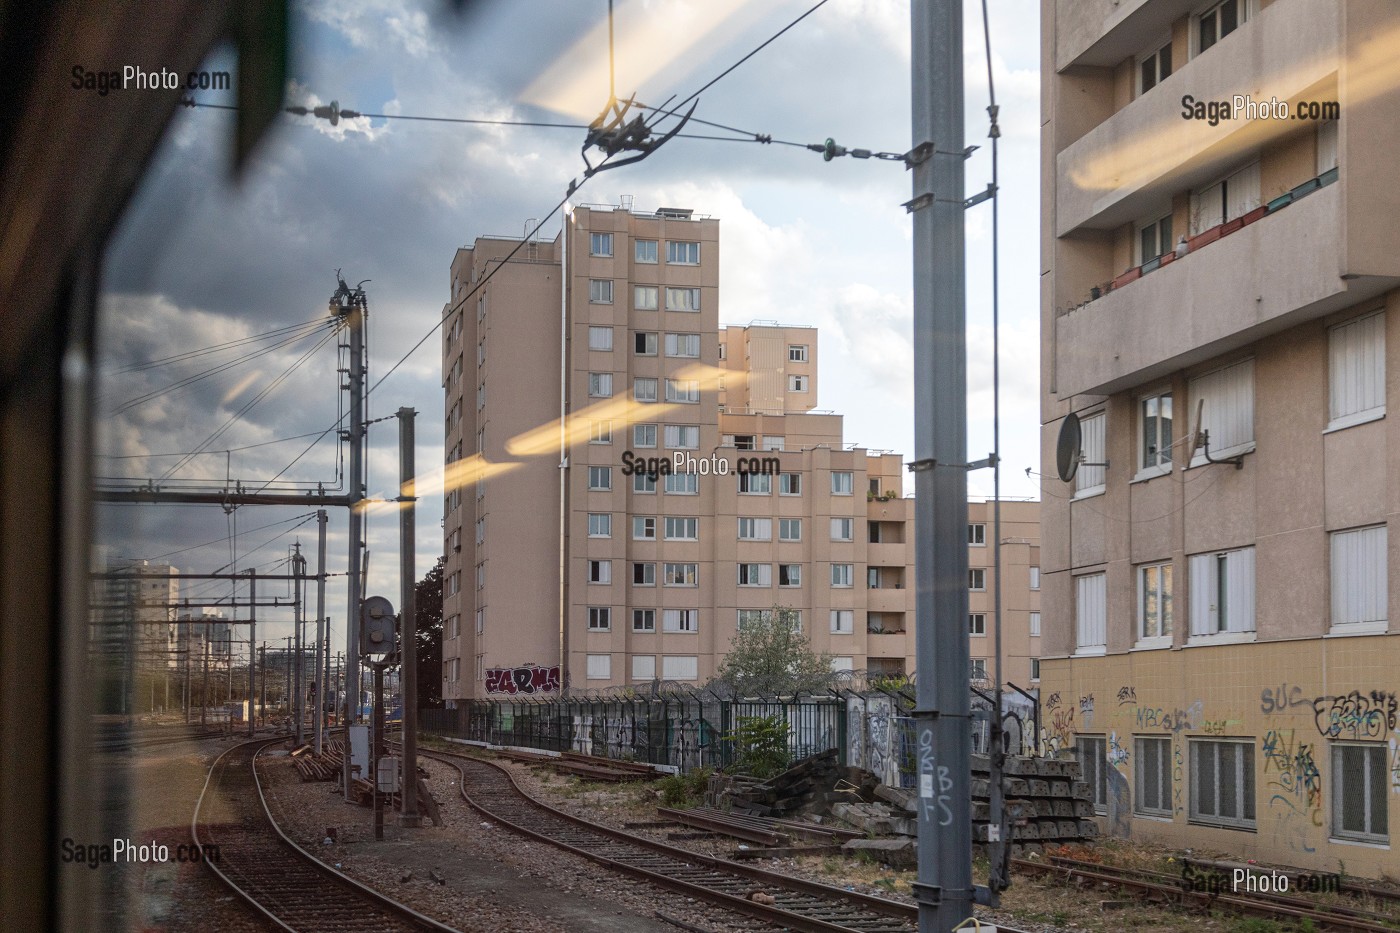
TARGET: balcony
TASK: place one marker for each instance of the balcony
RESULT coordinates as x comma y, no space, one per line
886,555
887,646
1263,278
887,599
1125,166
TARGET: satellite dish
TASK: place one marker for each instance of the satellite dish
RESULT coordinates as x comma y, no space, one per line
1067,448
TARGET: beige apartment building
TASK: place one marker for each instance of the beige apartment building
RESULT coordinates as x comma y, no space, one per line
1219,309
565,544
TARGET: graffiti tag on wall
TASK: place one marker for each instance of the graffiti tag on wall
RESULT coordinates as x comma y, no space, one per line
1355,715
527,680
1172,720
1281,698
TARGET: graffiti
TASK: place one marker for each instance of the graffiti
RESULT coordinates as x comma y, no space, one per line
1173,721
1297,784
1086,704
1215,726
1355,715
1062,727
1053,702
933,805
1178,774
1394,768
1120,804
1290,824
1127,695
1117,754
527,679
881,743
1281,698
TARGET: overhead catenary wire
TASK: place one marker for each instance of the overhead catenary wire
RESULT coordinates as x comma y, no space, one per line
215,348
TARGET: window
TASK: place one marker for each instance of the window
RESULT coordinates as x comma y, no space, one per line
1154,238
600,477
839,664
682,252
976,579
1228,414
797,353
1359,590
872,578
644,250
644,574
644,667
797,383
600,385
600,667
977,535
723,353
1356,370
644,343
599,525
789,529
682,299
789,574
481,529
755,574
977,669
481,396
1153,776
481,620
748,617
873,485
740,441
1092,752
680,620
1222,592
1217,23
1035,669
644,298
1231,197
977,623
643,529
643,483
683,390
481,575
1154,68
685,345
1222,782
1091,621
683,484
1155,602
755,529
680,574
1035,578
1155,454
643,620
600,291
1035,623
600,244
789,484
841,483
843,621
1359,782
643,435
1326,146
454,584
599,618
772,443
758,484
1089,480
843,529
644,389
842,575
683,436
600,571
680,668
600,432
682,529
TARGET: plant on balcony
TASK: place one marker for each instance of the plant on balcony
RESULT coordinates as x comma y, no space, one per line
1132,275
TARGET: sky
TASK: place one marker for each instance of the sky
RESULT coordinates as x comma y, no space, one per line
202,259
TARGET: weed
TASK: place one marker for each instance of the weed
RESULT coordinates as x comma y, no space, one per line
683,791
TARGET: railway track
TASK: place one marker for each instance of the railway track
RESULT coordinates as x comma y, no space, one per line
282,881
796,904
111,740
1167,889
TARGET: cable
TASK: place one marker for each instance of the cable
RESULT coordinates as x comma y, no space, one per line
227,450
214,348
195,547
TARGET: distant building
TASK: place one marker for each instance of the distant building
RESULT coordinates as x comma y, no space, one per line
1218,618
655,574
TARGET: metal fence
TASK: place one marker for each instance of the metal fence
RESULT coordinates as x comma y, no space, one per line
688,728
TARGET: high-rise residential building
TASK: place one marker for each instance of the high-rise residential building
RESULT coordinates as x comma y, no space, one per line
1219,310
135,614
568,545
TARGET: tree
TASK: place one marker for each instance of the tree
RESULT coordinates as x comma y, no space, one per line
428,619
771,656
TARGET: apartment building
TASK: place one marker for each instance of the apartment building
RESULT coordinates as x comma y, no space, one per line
1219,309
611,553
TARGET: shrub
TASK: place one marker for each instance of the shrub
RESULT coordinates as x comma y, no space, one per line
761,745
683,791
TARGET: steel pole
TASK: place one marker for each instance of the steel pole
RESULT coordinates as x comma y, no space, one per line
408,650
375,750
943,715
318,706
298,707
355,321
252,641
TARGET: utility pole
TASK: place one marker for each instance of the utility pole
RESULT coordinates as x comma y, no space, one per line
408,648
350,304
943,713
204,687
252,640
321,679
263,696
298,705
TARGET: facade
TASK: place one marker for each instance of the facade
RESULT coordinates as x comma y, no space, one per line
1219,309
136,614
759,504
